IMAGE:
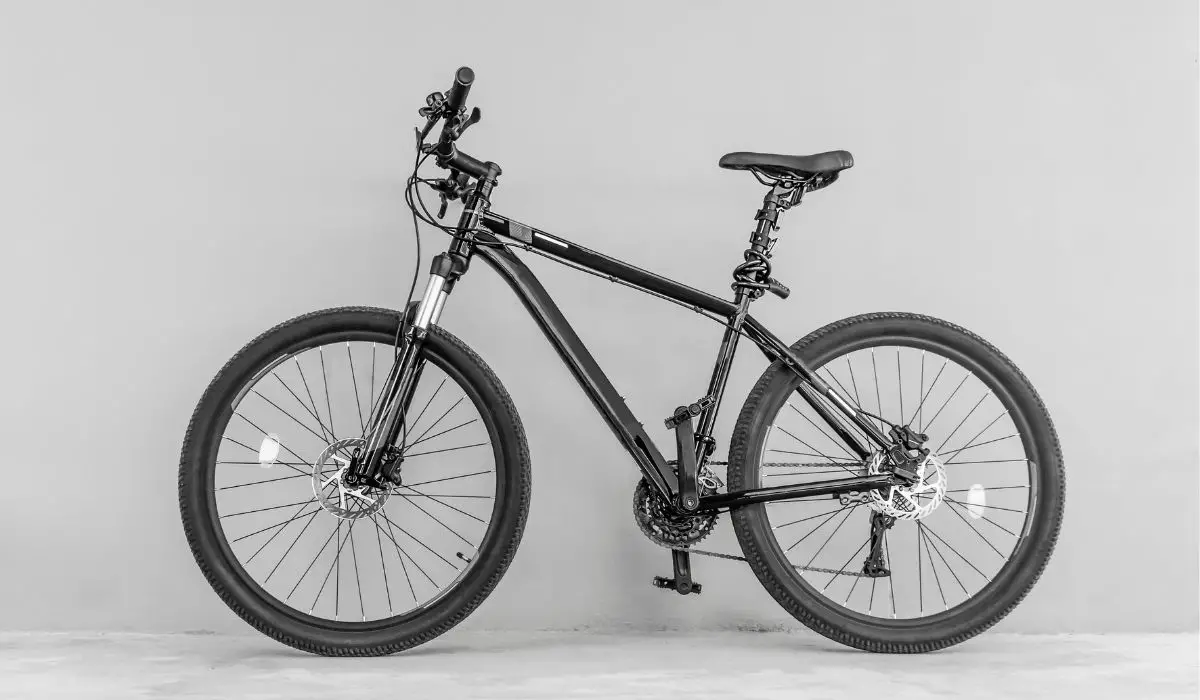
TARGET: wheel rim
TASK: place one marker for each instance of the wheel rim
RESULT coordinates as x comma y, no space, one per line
937,563
364,568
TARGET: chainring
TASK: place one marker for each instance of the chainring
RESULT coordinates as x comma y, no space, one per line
664,525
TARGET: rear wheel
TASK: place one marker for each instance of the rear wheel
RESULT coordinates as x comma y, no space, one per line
352,571
956,558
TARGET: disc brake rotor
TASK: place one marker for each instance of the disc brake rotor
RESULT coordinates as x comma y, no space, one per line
330,491
910,502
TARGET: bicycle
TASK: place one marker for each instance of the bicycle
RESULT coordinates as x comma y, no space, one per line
902,468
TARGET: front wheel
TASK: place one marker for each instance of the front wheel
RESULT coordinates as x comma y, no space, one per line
954,555
344,569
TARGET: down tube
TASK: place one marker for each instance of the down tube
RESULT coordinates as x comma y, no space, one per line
575,355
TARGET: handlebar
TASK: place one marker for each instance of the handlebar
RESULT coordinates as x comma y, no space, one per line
456,98
451,109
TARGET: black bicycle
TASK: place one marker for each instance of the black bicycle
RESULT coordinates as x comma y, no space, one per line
894,481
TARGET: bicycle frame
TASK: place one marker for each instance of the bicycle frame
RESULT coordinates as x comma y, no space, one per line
448,267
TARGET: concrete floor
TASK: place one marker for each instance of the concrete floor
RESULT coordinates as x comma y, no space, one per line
468,664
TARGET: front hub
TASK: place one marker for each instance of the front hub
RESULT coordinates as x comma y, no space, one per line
337,495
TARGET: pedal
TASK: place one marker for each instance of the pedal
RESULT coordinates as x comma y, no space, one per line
669,583
685,413
682,583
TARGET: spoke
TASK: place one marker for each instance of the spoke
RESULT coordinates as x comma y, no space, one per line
296,420
853,383
931,543
443,432
448,449
437,500
991,461
932,565
990,488
821,524
993,522
379,540
256,463
289,465
277,534
266,434
372,396
293,544
833,460
878,402
977,532
835,530
392,523
986,442
272,527
842,568
970,443
855,585
829,373
403,566
427,403
264,481
818,515
260,510
948,399
920,395
310,565
362,424
448,478
920,406
312,401
1010,510
964,420
337,583
337,560
952,549
439,420
900,386
408,499
887,552
819,453
354,556
439,495
810,422
325,381
320,423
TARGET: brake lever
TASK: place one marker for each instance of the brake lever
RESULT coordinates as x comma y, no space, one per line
473,119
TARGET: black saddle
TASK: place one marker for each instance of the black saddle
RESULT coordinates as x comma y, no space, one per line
825,165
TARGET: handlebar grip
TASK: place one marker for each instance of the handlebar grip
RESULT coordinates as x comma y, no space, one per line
457,96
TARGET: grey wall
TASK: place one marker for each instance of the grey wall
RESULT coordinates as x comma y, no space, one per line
177,177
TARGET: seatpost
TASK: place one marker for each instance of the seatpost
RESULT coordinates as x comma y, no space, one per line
751,279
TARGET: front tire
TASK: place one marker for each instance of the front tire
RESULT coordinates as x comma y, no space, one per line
340,621
936,617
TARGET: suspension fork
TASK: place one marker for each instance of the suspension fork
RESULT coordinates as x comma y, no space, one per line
387,417
386,423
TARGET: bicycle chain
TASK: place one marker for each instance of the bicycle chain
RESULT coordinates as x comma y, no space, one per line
734,557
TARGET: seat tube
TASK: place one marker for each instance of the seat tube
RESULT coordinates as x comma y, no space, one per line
720,377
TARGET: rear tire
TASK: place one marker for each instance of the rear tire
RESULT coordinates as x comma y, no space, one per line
797,593
389,633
